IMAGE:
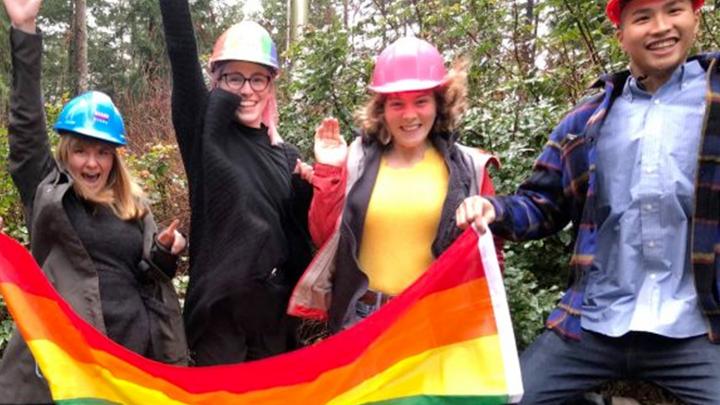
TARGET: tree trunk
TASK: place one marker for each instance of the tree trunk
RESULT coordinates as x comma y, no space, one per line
530,12
80,41
298,18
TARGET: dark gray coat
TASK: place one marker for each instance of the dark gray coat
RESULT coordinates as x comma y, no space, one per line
54,243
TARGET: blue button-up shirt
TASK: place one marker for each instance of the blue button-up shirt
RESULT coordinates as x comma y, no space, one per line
563,187
640,279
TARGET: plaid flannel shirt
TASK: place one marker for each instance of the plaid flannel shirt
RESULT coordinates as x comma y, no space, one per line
561,189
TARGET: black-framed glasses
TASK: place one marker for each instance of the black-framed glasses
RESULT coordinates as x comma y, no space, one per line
235,81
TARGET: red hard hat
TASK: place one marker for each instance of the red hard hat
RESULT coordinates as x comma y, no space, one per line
614,9
408,64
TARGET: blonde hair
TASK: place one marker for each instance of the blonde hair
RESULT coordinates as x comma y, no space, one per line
121,193
450,97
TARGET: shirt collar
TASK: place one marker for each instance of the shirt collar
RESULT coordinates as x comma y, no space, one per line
677,82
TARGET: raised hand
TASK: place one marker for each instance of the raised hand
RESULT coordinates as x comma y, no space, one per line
23,13
330,148
171,239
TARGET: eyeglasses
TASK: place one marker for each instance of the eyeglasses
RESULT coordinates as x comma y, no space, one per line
235,81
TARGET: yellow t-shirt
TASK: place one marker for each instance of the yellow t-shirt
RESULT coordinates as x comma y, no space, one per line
401,222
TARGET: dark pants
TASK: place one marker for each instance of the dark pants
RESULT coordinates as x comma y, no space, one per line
555,369
229,339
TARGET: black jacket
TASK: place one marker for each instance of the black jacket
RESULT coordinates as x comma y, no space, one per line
248,239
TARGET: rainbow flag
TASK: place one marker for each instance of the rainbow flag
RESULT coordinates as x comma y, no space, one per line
447,339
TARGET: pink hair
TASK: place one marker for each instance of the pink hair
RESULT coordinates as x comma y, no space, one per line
270,118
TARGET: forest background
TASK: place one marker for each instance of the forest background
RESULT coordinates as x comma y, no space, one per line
531,60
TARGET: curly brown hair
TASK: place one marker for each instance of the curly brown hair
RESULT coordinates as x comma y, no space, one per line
450,97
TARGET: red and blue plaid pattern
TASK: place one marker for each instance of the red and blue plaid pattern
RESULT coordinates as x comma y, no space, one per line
561,189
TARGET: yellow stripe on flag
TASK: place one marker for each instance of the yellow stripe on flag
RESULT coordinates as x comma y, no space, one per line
89,380
448,370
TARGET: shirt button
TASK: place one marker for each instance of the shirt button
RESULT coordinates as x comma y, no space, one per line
652,276
651,244
648,207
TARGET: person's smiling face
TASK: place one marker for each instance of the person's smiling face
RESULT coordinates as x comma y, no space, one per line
657,35
247,80
90,163
409,117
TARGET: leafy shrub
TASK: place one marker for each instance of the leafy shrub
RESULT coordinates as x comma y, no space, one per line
153,170
11,212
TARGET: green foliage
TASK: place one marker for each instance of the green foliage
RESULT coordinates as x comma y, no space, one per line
529,302
153,170
10,207
6,326
325,79
5,62
11,212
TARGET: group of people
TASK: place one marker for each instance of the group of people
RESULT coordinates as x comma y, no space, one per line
633,168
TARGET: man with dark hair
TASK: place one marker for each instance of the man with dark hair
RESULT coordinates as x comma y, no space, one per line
635,169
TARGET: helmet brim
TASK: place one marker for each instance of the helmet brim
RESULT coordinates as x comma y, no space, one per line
274,68
613,11
90,135
406,85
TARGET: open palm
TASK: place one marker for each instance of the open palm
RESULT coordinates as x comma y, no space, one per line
330,148
22,13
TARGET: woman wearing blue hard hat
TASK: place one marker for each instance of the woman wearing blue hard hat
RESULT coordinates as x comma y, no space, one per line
248,231
90,228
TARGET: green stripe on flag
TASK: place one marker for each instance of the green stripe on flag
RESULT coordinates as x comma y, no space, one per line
445,400
85,401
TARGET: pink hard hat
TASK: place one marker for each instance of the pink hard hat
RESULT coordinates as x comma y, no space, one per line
613,9
408,64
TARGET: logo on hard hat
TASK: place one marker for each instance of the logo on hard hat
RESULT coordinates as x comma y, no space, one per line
101,116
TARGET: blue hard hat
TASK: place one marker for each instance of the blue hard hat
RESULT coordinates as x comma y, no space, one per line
92,114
